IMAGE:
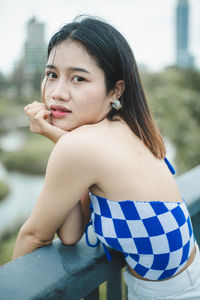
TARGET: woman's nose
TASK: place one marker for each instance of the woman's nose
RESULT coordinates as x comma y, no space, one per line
61,91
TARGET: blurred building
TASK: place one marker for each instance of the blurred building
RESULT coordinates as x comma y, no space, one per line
183,57
35,48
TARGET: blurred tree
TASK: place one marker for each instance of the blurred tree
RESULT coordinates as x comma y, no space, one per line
3,82
4,190
174,97
22,88
36,81
18,78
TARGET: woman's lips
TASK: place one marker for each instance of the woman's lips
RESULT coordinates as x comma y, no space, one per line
59,113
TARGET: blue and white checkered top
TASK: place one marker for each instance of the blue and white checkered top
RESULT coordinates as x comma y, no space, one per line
155,237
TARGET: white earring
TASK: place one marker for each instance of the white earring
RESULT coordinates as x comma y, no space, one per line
116,104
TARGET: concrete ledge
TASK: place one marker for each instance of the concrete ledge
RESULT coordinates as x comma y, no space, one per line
57,271
189,184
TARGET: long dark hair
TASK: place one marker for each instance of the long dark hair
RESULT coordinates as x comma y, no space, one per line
113,55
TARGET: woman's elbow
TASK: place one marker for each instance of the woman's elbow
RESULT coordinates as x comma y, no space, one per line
35,237
69,240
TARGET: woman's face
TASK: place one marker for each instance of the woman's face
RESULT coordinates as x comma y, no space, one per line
74,87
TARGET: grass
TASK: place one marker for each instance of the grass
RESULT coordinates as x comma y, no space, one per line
32,158
6,248
4,190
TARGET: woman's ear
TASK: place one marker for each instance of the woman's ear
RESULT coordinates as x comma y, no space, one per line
118,89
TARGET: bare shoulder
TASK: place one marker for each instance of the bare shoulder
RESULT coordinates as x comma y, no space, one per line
81,144
86,136
92,145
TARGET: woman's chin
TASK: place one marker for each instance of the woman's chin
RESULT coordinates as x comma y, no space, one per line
62,125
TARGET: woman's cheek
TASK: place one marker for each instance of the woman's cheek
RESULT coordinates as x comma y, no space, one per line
46,93
42,88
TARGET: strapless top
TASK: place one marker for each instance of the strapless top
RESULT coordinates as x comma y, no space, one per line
155,237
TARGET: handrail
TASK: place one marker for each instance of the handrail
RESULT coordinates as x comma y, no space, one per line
57,272
73,272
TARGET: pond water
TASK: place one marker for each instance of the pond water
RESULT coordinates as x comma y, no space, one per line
12,141
17,206
25,189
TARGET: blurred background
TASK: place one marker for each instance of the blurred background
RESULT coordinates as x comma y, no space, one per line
165,38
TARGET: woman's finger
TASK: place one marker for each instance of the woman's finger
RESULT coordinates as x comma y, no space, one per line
34,105
42,114
33,111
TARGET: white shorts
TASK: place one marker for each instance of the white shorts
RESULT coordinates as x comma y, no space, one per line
185,285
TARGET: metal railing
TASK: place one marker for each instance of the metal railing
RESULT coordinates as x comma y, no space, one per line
74,272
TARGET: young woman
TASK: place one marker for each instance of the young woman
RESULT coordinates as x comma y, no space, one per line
108,150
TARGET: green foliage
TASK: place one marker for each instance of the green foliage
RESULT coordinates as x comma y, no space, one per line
10,113
32,158
6,248
174,97
8,109
4,190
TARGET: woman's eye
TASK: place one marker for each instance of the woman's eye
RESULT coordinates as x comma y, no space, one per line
51,75
78,79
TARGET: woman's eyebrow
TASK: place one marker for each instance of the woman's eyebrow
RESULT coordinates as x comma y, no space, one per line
50,67
70,68
78,69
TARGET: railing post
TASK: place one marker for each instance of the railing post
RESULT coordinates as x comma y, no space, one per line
114,289
94,295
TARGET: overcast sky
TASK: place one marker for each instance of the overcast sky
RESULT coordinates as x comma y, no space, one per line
148,25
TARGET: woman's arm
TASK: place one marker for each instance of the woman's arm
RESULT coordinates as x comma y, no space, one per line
68,174
39,116
80,212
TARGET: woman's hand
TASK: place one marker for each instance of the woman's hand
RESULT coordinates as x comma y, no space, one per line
39,117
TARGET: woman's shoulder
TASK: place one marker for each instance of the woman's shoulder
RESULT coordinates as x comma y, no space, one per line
82,141
80,151
89,134
97,140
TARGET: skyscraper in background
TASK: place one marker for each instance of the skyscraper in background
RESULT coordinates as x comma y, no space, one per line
35,48
183,57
